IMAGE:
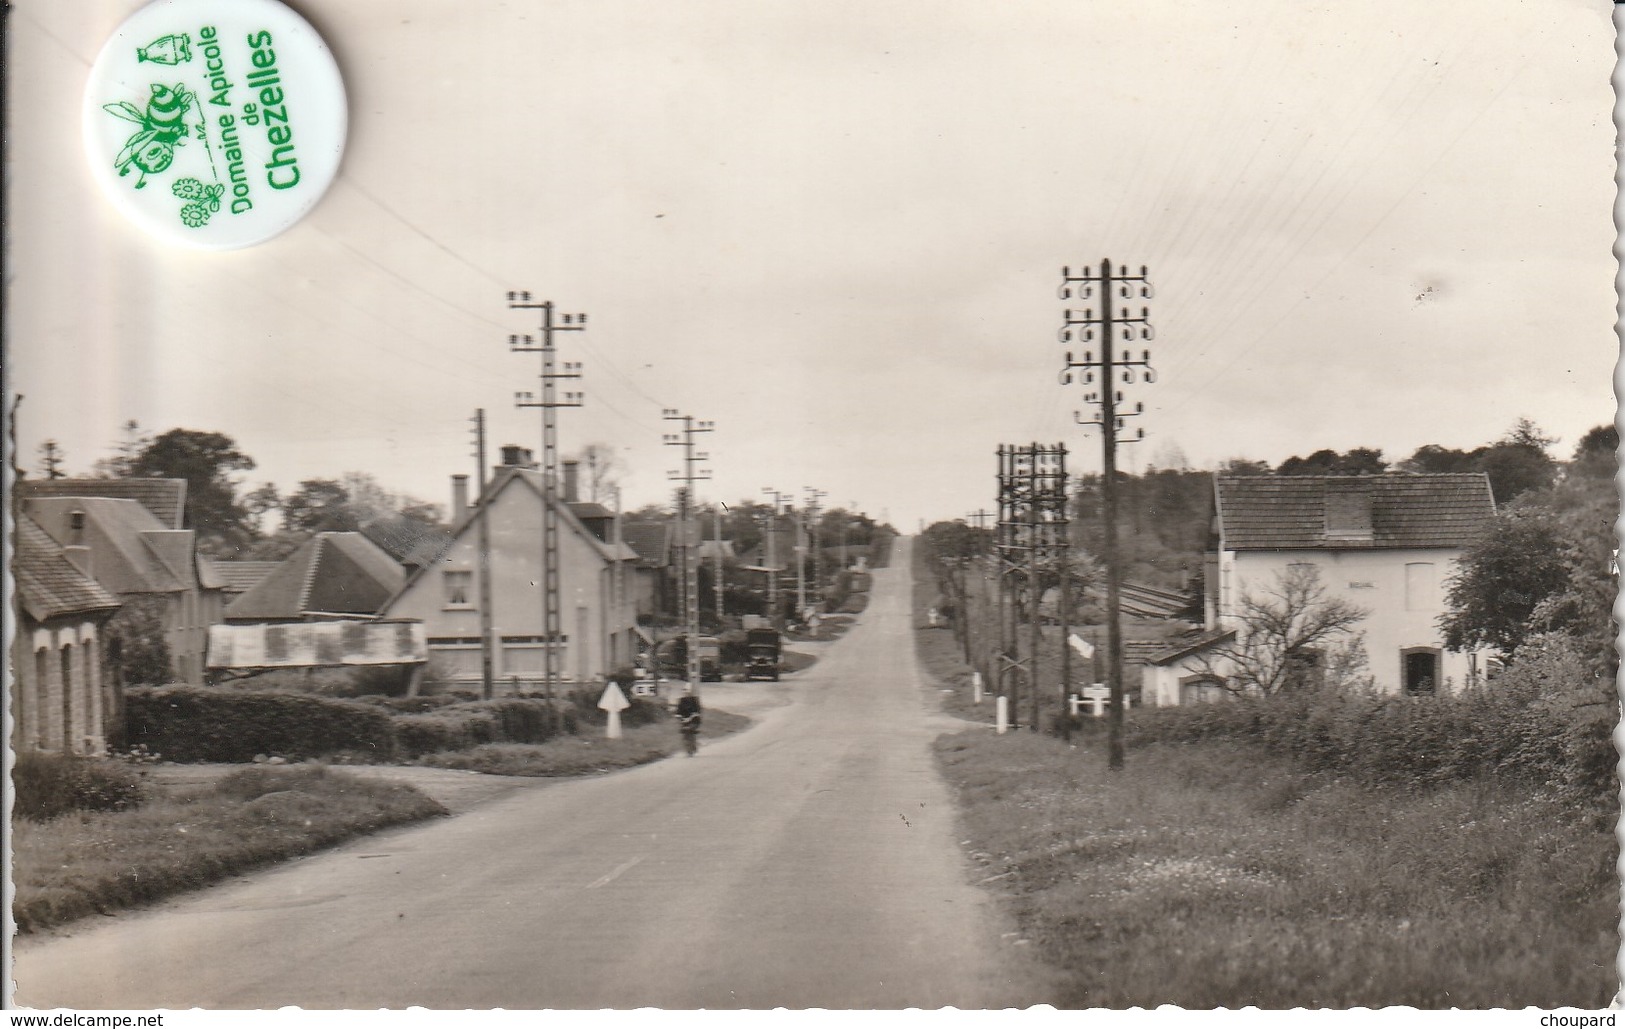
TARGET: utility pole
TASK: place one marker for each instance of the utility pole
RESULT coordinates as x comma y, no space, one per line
687,532
1109,327
1008,551
550,402
773,554
483,528
717,525
813,497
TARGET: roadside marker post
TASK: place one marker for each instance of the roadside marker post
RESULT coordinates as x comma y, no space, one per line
614,702
1002,715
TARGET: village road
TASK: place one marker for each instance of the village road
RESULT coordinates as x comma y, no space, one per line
808,862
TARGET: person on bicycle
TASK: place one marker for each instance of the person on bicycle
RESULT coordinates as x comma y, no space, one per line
688,721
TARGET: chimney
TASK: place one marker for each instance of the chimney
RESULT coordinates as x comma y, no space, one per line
459,497
79,557
571,467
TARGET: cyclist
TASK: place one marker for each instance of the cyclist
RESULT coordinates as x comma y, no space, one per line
688,722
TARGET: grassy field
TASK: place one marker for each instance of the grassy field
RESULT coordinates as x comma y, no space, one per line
1214,875
1220,875
584,755
183,838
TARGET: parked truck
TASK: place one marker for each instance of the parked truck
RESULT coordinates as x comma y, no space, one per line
671,658
763,649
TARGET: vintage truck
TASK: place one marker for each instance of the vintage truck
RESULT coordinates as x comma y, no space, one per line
763,649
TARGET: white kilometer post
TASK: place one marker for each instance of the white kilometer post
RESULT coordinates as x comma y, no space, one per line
614,702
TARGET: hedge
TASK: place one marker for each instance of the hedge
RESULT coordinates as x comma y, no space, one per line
191,724
1543,723
48,786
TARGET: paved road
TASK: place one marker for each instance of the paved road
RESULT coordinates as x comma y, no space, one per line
808,862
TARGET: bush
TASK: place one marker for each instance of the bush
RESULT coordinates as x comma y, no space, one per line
191,724
48,786
416,735
1544,722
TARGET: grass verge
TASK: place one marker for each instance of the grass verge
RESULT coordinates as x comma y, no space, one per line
584,755
1216,874
182,839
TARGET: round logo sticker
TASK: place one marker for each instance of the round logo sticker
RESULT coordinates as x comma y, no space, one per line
215,123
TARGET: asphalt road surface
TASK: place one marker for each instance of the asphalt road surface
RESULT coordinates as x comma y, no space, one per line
809,862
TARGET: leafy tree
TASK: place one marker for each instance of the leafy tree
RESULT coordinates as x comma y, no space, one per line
1434,458
1501,579
137,651
319,505
1284,633
206,460
1597,453
1358,461
1244,466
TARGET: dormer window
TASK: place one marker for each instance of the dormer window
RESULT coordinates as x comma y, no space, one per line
1348,512
76,526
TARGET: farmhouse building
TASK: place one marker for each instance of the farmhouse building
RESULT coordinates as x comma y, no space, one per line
140,558
595,576
62,698
1385,543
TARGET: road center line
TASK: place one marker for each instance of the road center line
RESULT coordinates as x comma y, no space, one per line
611,877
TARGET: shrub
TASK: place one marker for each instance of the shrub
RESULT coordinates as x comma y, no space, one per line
1544,722
50,785
416,735
190,724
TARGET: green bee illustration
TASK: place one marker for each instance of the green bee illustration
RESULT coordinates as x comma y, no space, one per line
171,50
162,128
205,200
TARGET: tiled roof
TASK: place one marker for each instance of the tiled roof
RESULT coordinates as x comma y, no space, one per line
332,573
131,551
48,585
1289,512
241,576
407,540
165,498
1188,644
649,539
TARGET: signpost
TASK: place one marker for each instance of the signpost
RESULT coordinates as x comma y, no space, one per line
614,702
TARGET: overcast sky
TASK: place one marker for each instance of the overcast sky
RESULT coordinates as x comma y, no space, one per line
836,227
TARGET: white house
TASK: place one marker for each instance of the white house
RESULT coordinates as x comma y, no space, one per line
1385,543
597,611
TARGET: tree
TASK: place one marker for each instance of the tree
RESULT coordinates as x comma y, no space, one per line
206,460
1284,634
319,505
1500,579
51,459
1358,461
126,450
260,502
603,470
1597,453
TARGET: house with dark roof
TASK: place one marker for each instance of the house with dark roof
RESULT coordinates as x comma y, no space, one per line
1385,543
140,559
62,698
595,573
165,498
331,575
650,576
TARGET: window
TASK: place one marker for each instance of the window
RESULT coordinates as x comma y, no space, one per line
1200,689
1420,668
1421,587
458,584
